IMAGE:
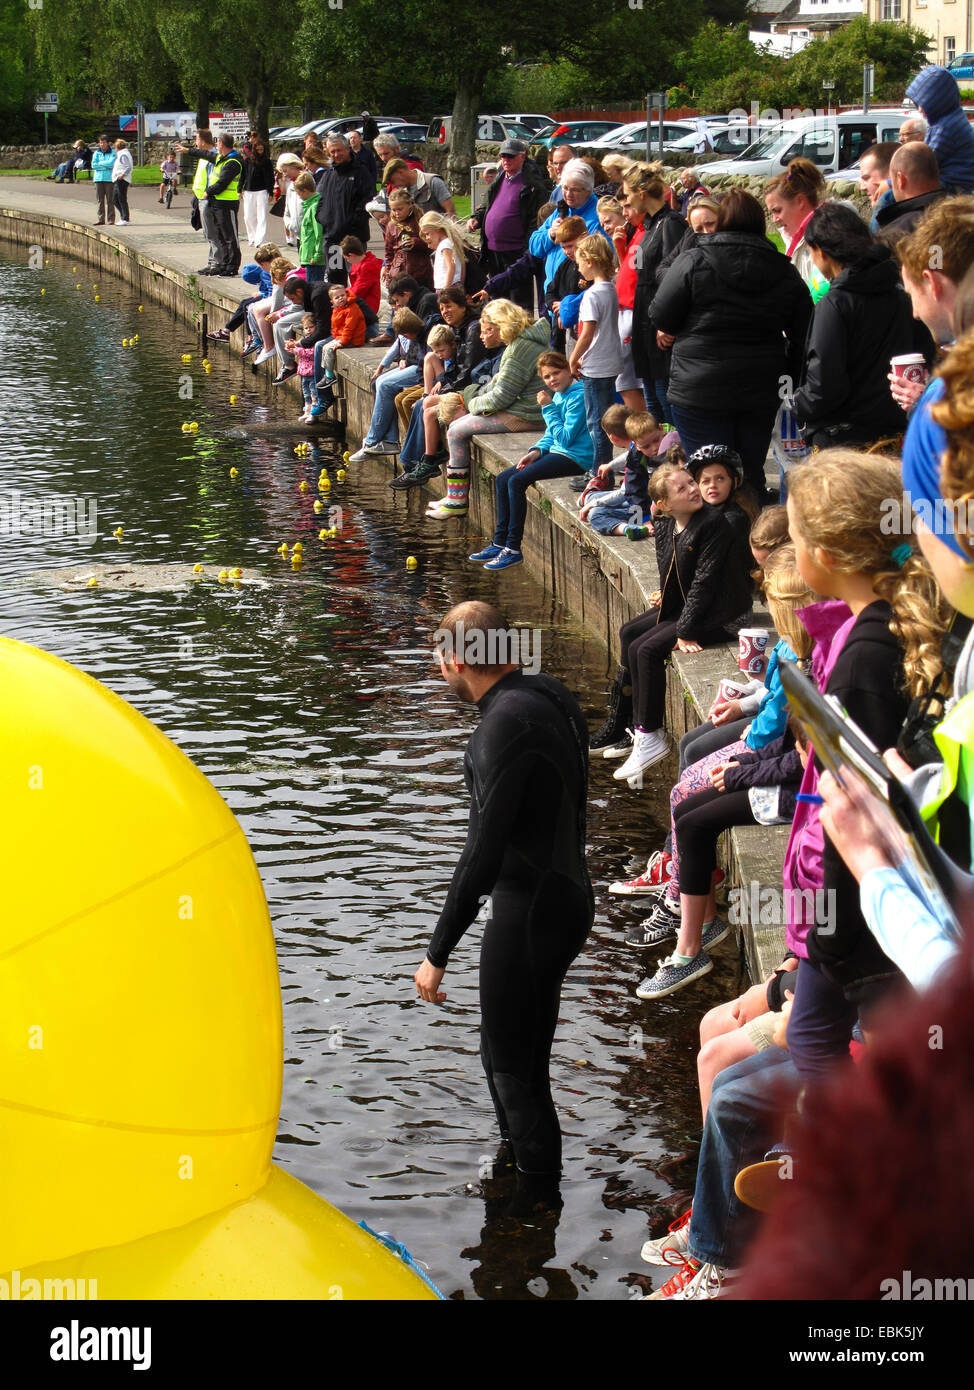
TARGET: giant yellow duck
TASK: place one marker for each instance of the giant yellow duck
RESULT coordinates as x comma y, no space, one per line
140,1024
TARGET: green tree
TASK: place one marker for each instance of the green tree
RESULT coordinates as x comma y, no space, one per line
897,50
108,54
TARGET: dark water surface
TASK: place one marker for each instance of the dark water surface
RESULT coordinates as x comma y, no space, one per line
310,701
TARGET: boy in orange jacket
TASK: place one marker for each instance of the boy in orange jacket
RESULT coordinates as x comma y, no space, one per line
347,330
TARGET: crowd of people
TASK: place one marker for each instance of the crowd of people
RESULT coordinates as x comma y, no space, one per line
655,343
876,615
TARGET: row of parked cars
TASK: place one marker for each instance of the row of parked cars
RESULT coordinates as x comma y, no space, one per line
833,142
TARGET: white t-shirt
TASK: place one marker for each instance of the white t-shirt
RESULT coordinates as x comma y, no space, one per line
600,305
439,267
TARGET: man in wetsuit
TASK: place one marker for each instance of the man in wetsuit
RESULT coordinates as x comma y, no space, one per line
526,768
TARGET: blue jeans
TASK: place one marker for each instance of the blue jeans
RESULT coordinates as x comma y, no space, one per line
656,399
383,426
606,519
745,1117
413,448
748,431
308,390
513,483
600,392
314,274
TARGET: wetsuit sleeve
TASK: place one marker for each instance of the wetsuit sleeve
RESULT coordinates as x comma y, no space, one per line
496,794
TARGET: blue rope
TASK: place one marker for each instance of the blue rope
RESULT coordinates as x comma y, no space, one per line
399,1249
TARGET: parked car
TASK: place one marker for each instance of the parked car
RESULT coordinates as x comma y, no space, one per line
325,125
725,139
962,67
490,129
831,142
532,120
570,132
407,133
632,137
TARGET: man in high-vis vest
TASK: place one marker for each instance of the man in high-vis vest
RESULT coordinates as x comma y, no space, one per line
204,153
223,196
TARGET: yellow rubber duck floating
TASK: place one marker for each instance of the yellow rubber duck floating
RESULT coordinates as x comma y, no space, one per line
298,547
141,1049
197,569
302,486
140,308
318,507
186,357
233,400
283,548
412,563
233,473
341,475
118,533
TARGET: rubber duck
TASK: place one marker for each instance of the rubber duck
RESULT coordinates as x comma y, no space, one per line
341,475
332,532
92,583
324,484
186,357
77,287
97,298
346,457
237,573
125,341
223,576
118,533
233,400
43,291
298,547
318,507
411,562
233,473
322,535
194,426
197,569
140,308
185,427
302,486
295,562
283,548
205,362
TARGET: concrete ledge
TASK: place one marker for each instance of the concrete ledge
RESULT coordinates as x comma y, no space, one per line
604,581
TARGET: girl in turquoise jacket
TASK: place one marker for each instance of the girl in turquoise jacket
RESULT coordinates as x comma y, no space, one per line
564,450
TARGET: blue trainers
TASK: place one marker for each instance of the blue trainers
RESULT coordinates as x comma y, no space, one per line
489,552
315,411
505,559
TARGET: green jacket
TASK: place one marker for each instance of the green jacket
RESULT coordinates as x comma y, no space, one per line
516,385
312,248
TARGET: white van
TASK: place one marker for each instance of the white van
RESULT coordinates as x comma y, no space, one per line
831,142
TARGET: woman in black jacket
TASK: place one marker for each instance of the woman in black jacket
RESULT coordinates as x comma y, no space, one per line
644,191
865,319
258,185
738,311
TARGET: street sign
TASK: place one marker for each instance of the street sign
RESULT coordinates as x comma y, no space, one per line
46,97
45,106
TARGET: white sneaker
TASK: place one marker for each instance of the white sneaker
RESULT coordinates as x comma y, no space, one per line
263,355
120,222
676,1242
647,749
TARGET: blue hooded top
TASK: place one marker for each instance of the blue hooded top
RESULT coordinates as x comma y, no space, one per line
255,274
950,137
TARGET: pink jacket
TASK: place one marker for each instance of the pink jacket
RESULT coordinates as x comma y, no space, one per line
828,624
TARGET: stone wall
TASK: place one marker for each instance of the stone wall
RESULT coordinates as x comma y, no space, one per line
49,156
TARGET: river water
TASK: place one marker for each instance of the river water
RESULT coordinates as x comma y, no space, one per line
310,701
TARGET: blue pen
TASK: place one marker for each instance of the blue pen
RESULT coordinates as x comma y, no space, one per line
810,798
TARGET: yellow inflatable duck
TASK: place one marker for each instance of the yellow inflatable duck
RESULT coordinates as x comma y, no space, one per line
140,1025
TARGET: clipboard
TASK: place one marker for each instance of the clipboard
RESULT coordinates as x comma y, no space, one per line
850,755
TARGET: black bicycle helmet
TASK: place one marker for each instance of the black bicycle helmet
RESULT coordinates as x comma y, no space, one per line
717,453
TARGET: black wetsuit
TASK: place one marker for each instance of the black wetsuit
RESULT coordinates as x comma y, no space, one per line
526,767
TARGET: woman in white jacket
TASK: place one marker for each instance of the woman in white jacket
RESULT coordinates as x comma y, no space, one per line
121,178
288,168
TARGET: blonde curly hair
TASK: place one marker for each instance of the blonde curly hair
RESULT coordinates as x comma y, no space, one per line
838,499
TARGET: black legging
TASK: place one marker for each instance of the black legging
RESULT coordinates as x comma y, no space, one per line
528,946
645,643
121,198
698,822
